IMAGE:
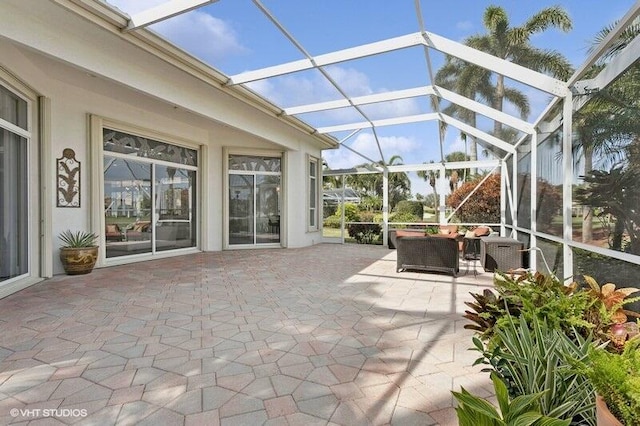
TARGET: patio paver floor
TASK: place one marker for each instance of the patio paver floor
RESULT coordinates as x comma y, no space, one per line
328,334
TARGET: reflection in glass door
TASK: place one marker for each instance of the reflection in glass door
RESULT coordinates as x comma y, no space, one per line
14,187
175,207
127,206
267,209
241,196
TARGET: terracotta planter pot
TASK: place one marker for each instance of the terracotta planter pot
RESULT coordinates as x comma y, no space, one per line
78,261
603,415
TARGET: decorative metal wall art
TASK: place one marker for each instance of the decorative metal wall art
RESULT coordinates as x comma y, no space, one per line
68,179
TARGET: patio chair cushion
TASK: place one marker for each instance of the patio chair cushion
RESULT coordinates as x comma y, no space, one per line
481,231
448,229
140,226
409,233
112,232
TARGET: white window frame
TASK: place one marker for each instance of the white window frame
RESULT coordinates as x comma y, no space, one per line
313,211
38,212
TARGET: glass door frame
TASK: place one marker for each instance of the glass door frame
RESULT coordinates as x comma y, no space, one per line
38,214
227,152
97,124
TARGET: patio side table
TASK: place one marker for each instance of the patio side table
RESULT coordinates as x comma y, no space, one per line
503,254
471,251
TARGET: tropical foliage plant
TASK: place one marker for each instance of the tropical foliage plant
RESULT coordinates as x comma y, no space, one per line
522,410
590,309
533,357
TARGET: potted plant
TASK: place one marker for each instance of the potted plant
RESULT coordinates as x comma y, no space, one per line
616,380
79,251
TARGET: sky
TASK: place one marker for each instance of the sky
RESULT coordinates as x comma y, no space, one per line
234,36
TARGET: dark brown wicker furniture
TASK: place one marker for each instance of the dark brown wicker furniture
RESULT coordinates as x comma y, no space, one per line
503,254
428,253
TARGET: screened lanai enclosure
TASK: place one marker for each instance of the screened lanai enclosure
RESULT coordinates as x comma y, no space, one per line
563,178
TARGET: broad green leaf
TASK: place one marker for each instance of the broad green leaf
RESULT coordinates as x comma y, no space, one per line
502,394
477,404
525,419
523,403
549,421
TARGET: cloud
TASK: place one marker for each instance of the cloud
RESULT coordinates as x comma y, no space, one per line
365,144
310,88
209,38
465,25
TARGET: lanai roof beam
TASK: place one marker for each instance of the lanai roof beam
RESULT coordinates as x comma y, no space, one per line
452,97
162,12
508,69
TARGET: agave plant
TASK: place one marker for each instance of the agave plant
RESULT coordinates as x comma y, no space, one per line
78,239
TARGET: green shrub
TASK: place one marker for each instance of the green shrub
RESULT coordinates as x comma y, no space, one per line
370,202
415,208
370,216
616,378
542,296
329,209
351,212
364,233
404,218
332,222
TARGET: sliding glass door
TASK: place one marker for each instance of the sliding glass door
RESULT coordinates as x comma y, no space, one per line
14,193
150,202
254,200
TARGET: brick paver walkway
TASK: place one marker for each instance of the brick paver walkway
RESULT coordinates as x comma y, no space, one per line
329,334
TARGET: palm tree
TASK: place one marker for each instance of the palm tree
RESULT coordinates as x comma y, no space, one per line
430,176
608,122
371,184
511,44
467,80
399,183
454,175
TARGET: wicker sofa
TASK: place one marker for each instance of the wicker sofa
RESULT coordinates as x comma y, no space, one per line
435,253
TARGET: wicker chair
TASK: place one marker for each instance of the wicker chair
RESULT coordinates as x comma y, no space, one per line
428,253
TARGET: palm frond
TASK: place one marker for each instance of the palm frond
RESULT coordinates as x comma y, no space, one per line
551,17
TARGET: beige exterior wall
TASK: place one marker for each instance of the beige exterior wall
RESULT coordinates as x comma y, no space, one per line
83,70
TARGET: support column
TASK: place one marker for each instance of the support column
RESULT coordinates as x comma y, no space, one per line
567,168
385,207
442,183
534,198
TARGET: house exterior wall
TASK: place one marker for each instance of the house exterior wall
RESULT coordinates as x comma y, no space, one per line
84,71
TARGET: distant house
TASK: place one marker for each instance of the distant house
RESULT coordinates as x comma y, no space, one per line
125,135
